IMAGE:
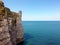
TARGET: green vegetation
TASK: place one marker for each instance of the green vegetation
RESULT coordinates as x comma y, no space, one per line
4,10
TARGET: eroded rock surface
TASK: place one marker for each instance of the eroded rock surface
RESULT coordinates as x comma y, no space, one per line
11,31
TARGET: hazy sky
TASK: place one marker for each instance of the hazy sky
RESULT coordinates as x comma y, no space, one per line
36,9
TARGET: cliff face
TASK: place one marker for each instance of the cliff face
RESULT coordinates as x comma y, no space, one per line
11,31
4,34
19,28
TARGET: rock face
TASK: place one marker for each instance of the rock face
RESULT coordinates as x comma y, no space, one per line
20,33
4,34
11,31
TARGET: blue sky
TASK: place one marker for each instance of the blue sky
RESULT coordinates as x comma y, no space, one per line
35,10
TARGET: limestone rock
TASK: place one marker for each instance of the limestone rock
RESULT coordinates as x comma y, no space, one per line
4,34
20,32
11,31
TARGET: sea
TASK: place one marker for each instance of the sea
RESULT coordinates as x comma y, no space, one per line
41,32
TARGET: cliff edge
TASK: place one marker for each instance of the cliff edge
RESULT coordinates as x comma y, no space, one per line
11,30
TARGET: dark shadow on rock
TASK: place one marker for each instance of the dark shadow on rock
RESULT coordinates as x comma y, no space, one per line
26,37
22,43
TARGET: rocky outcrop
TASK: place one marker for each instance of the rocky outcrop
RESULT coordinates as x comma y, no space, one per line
19,27
11,31
4,31
4,34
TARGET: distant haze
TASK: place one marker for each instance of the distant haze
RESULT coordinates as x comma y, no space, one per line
41,18
36,10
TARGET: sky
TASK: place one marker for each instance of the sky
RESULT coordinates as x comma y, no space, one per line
36,10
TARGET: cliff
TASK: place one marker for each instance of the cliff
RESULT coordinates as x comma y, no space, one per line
11,30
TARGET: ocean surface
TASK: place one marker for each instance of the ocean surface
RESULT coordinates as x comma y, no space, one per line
41,32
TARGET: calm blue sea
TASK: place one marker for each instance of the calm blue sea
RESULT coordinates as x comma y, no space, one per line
41,32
